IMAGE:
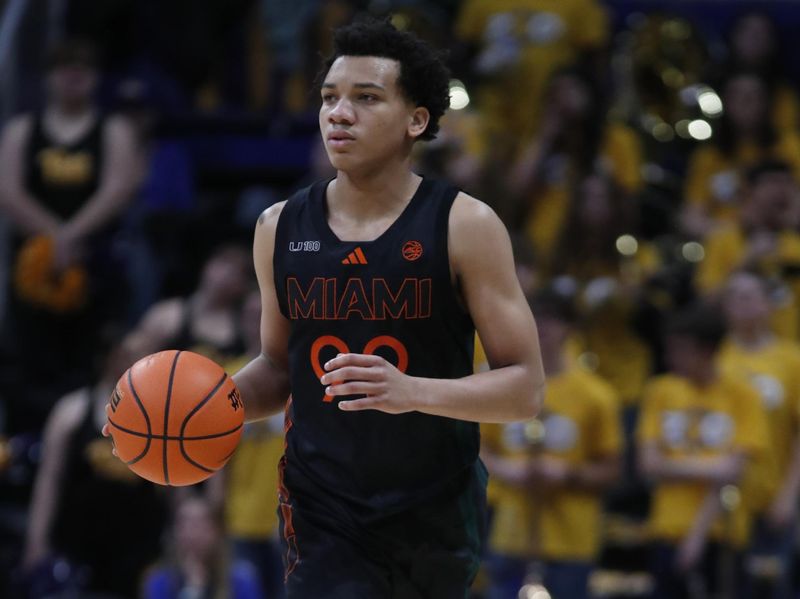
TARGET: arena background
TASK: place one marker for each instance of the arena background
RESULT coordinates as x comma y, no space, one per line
220,105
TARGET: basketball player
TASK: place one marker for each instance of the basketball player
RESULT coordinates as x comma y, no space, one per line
372,285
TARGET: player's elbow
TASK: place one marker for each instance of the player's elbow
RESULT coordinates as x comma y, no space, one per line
531,403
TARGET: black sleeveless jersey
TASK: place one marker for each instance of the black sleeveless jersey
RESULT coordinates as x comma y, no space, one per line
393,297
62,177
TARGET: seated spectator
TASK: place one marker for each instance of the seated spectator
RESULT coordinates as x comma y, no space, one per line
744,137
772,486
196,567
764,239
207,321
698,431
86,501
574,141
550,474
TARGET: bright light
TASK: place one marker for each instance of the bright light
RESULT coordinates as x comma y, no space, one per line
627,245
710,103
533,591
693,251
700,129
459,98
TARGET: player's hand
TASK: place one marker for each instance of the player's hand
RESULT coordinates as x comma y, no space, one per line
106,432
385,387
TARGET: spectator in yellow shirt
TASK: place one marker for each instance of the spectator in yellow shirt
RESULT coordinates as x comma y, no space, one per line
607,267
248,485
698,430
552,472
574,142
744,137
518,44
764,239
772,485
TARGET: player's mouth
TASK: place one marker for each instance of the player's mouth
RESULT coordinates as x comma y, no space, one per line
340,139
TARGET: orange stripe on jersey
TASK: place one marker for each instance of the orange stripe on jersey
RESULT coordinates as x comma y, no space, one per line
362,259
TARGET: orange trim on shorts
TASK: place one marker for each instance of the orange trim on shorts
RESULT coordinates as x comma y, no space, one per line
292,553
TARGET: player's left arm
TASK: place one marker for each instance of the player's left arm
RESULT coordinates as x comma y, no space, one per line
483,264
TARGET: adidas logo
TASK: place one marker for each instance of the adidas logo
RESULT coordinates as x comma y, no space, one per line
355,257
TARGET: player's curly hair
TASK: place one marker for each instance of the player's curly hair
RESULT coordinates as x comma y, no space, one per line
424,78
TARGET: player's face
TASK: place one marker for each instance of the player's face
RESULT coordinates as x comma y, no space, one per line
745,301
365,119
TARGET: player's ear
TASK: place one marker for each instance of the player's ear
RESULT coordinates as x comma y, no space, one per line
418,121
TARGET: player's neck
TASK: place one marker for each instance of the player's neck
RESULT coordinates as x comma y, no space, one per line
367,195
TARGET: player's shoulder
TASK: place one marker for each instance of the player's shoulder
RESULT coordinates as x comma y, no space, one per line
268,219
470,216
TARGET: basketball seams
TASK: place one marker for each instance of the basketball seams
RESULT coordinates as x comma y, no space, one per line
174,437
166,413
194,411
168,392
146,420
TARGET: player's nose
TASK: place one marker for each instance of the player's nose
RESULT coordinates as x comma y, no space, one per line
341,112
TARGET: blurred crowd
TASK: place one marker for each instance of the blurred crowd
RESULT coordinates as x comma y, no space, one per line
645,157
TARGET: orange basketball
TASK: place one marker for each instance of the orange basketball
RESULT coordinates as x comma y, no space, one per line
176,417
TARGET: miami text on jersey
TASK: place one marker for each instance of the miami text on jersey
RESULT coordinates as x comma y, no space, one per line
367,299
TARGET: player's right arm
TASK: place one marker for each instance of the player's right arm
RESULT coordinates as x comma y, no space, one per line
264,381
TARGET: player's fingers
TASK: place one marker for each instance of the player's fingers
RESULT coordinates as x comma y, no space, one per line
367,403
105,430
355,388
351,373
341,360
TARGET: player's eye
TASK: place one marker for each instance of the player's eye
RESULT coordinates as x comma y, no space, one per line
327,98
368,98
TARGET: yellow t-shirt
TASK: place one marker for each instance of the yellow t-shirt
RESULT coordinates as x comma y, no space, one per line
611,347
580,423
251,502
774,371
689,422
725,249
714,180
548,34
620,157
